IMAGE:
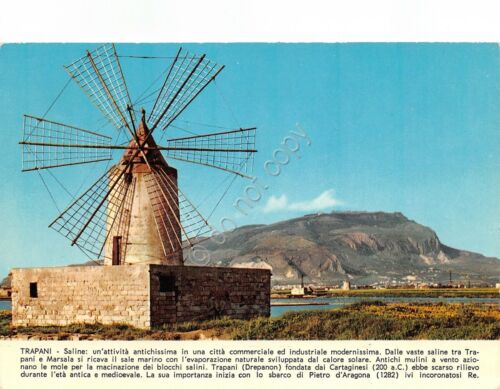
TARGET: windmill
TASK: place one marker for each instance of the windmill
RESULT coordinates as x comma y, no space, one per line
135,212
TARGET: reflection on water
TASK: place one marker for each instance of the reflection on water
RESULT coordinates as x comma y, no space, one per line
339,302
5,304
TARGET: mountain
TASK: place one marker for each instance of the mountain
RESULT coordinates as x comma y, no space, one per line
365,247
6,282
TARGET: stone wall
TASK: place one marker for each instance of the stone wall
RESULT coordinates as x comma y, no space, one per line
138,295
199,293
81,294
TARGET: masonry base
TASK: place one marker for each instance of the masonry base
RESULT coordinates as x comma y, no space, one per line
142,296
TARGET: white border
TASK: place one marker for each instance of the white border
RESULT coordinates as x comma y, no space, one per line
249,21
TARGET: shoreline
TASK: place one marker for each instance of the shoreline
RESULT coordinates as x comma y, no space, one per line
298,304
434,292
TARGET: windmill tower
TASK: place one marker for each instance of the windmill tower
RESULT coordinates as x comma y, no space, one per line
135,212
154,203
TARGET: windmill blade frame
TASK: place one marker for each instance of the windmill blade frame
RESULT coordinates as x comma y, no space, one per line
230,151
103,201
162,193
188,76
99,74
235,172
163,204
41,137
194,224
121,223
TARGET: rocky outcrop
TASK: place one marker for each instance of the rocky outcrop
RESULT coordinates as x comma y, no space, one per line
367,247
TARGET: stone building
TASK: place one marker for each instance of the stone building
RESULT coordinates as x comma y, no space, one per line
141,295
143,282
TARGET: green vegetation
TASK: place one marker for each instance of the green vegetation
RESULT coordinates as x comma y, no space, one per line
364,320
377,320
5,318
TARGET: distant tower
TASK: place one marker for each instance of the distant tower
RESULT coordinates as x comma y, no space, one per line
346,285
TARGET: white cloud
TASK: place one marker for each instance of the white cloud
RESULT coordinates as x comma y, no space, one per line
275,204
323,201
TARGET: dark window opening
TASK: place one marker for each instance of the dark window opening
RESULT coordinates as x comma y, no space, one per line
117,248
33,289
167,283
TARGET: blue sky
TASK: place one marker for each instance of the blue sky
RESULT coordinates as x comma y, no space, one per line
412,128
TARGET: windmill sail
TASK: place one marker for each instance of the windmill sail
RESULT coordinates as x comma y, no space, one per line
100,76
120,223
228,150
47,144
187,77
165,209
173,212
194,226
87,221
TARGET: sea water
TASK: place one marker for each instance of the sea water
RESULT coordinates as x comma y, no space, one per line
339,302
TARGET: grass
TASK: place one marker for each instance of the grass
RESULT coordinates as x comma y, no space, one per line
5,318
364,320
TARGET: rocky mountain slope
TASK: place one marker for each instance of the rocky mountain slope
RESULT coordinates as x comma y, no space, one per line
366,247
